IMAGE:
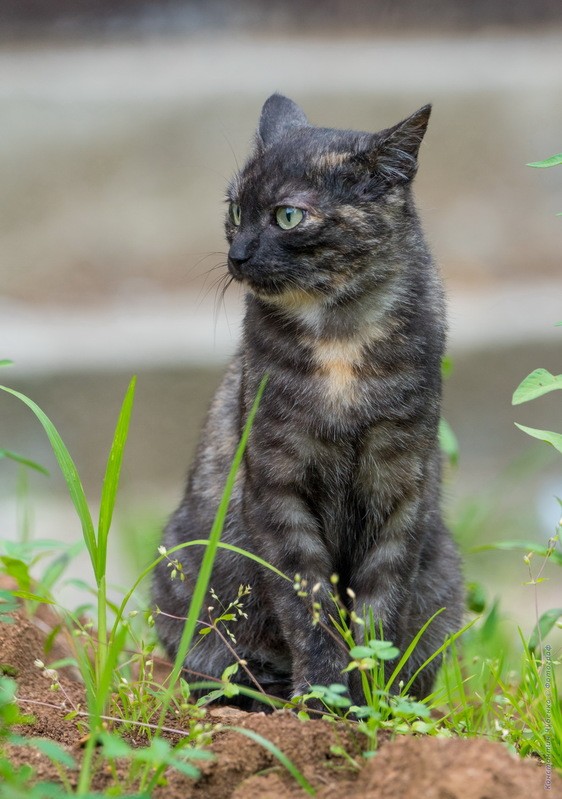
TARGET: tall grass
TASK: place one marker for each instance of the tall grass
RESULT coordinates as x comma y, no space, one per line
100,680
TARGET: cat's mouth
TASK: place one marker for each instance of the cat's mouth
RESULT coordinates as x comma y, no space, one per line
291,298
254,280
276,289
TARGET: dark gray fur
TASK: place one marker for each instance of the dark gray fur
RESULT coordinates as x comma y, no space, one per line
345,314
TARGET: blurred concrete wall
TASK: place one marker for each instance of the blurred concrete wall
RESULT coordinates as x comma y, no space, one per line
114,158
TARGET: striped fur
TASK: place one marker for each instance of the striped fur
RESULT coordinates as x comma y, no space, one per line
345,314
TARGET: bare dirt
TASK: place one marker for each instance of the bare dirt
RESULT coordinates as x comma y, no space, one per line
407,767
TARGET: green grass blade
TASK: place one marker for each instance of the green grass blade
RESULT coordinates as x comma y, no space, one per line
523,546
447,643
267,699
104,683
281,757
5,453
403,660
69,471
112,473
54,751
204,575
6,362
554,160
233,548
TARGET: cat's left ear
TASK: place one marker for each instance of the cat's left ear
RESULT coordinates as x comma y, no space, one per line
396,150
278,116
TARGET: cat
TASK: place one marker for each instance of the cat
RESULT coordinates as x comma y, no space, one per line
341,475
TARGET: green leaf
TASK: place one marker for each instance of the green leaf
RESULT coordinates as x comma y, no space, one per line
27,550
54,752
543,435
8,606
536,384
407,708
6,362
18,569
332,695
544,625
8,689
388,654
447,366
475,597
229,672
29,595
337,688
359,652
69,471
111,478
6,453
54,571
524,546
448,442
489,629
554,160
114,746
184,768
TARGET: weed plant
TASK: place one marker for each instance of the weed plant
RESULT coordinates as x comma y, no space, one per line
487,686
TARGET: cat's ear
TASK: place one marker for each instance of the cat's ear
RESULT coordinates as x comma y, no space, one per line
397,157
278,115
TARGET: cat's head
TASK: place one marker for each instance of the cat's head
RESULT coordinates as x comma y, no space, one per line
316,213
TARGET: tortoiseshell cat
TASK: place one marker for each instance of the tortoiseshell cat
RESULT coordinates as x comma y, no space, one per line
345,313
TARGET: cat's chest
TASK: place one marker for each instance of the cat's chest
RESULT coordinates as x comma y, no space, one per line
337,374
343,388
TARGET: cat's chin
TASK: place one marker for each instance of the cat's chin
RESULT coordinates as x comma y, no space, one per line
291,299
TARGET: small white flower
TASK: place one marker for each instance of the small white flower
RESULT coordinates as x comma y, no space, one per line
162,550
39,664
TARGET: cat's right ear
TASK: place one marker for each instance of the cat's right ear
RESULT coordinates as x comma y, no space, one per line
278,116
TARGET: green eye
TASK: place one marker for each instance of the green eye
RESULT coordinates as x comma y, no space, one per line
288,217
235,213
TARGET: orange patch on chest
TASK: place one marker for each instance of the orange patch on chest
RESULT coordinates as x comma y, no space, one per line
337,363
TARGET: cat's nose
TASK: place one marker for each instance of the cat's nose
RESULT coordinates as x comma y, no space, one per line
235,264
240,252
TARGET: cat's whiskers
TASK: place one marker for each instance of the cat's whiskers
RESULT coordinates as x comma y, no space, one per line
222,286
206,288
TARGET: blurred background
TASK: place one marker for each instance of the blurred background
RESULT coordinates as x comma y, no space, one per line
122,122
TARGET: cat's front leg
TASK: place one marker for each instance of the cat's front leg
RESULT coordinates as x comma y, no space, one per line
285,534
382,588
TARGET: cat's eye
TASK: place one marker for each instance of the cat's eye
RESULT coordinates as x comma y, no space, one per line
288,217
235,213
